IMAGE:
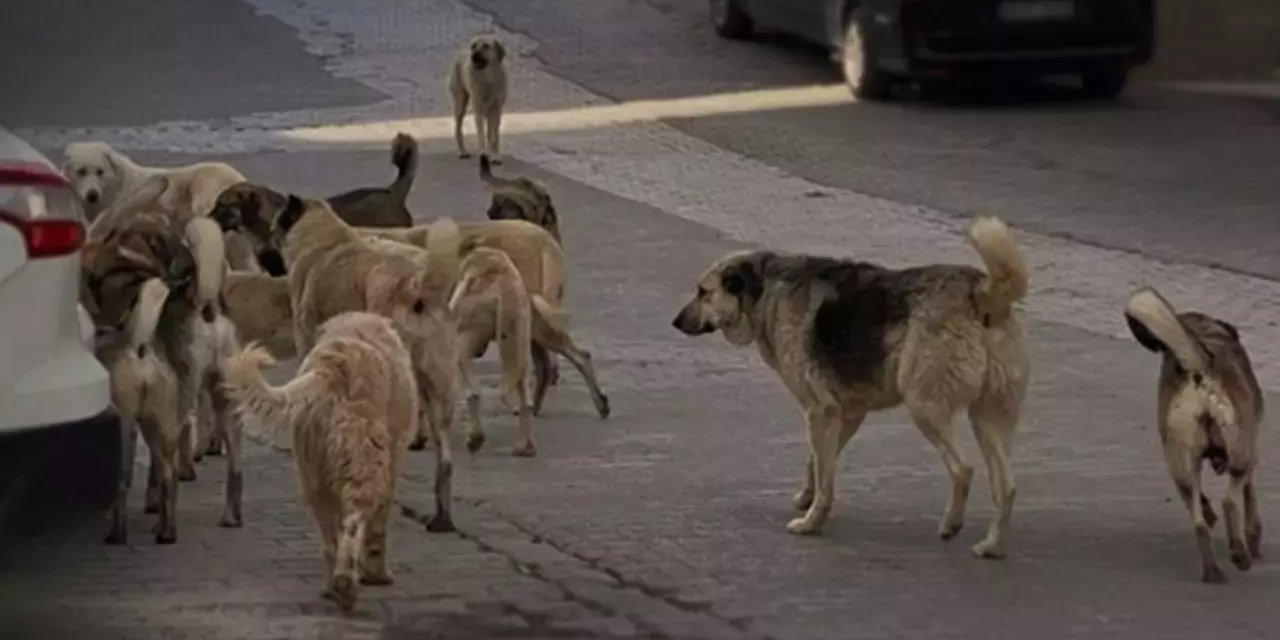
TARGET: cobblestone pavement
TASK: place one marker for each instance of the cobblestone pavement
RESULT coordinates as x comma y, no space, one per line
666,521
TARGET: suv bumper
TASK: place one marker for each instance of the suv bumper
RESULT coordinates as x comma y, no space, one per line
57,476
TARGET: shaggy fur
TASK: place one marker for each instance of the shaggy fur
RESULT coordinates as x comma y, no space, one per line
478,77
144,392
848,338
490,303
520,199
1209,408
334,269
350,409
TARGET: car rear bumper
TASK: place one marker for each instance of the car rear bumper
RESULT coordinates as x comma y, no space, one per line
58,475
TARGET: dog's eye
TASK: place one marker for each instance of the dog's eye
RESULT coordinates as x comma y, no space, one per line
82,172
702,292
100,172
419,306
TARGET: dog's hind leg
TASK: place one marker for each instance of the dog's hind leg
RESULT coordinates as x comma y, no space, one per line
345,576
374,569
993,426
1233,511
1252,521
229,425
543,370
560,342
1186,477
154,498
475,430
119,533
935,423
825,426
440,417
165,460
186,449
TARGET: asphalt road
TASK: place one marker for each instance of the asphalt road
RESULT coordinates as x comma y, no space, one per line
666,521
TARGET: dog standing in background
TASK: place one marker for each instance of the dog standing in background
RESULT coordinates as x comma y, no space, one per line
478,76
848,338
1210,408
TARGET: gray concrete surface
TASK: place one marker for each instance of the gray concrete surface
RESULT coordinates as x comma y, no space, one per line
666,521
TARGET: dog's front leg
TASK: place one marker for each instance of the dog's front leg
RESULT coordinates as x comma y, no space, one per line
824,441
482,135
493,128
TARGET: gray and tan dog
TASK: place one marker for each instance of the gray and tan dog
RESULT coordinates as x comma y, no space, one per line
1209,408
478,77
848,338
520,199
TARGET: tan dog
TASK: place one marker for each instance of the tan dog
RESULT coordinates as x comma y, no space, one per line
520,199
334,269
1210,408
350,409
538,258
144,392
490,303
478,77
258,305
848,338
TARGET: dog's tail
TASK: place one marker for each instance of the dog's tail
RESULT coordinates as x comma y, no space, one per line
404,156
443,261
254,396
1155,325
209,249
557,319
146,313
1006,280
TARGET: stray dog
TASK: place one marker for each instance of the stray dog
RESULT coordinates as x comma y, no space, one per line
520,199
102,175
490,303
1210,408
479,76
379,206
350,409
258,305
193,330
848,338
144,391
334,269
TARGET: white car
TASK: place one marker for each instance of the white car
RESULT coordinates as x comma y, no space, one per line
59,440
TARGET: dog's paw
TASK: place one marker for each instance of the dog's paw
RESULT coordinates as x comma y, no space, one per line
343,592
603,407
1212,574
495,161
802,500
117,537
949,530
464,155
802,527
230,522
418,444
441,523
213,450
152,509
988,549
1241,559
475,440
524,450
377,579
187,475
166,537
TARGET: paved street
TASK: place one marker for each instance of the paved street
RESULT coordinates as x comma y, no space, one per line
664,147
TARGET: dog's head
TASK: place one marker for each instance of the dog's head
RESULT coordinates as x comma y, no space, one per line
519,199
95,171
251,209
726,294
486,50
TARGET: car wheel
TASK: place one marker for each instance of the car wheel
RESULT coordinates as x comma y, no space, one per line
859,62
730,20
1105,82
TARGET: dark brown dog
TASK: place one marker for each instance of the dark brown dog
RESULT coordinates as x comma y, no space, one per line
520,199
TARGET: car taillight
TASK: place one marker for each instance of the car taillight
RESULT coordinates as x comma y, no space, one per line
47,238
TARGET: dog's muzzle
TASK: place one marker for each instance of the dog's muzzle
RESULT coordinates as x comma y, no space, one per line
688,323
92,196
479,61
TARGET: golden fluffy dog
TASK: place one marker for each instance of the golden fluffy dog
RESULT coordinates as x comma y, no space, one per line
351,409
848,338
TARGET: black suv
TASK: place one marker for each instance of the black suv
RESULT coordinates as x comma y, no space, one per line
883,42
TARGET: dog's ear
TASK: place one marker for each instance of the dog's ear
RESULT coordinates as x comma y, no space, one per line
744,279
294,208
1144,335
475,46
502,51
1231,329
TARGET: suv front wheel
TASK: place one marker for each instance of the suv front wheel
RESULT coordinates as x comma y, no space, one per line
866,80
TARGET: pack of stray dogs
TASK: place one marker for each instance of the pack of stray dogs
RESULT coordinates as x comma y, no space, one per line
191,272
